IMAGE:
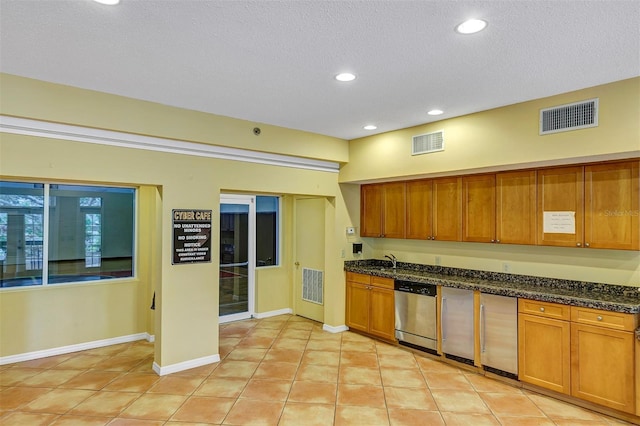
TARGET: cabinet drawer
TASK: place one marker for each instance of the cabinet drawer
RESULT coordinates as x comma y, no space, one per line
382,282
358,278
544,309
607,319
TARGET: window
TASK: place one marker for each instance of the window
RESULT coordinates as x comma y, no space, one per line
21,233
33,232
92,239
267,230
91,206
86,235
4,218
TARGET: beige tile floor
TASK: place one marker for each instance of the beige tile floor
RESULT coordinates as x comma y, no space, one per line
282,370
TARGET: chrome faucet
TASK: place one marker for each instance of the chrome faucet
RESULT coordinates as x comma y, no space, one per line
393,260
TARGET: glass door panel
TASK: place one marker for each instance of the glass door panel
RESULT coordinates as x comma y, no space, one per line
236,259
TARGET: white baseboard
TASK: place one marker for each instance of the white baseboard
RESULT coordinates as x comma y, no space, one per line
185,365
273,313
332,329
28,356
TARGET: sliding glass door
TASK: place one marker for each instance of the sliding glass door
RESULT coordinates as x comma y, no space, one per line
237,257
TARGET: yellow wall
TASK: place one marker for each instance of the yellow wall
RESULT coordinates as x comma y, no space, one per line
28,98
186,318
500,139
504,138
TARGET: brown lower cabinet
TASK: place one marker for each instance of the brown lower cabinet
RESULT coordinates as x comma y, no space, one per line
370,305
583,352
602,357
544,333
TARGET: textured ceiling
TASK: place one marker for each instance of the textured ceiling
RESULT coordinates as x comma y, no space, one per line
274,61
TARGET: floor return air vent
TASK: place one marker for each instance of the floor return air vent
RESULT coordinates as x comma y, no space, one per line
312,285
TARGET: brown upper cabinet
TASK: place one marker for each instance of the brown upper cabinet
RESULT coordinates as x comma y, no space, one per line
499,208
611,206
420,209
516,207
382,210
593,206
434,209
561,206
479,208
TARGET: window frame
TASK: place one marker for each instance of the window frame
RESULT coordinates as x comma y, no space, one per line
46,243
278,234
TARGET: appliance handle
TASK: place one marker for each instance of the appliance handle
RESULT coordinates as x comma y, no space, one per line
482,329
442,327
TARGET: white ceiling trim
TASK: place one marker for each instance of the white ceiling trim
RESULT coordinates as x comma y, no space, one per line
29,127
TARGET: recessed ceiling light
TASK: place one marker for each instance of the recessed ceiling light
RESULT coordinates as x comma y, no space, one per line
471,26
108,2
370,127
435,112
345,76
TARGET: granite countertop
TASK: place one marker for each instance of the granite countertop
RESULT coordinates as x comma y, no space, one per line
608,297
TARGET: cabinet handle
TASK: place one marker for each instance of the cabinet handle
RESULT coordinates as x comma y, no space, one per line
442,327
482,329
578,244
599,318
542,309
493,241
382,235
586,244
498,241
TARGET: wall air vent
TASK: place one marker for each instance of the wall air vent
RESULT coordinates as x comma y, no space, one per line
312,285
429,142
563,118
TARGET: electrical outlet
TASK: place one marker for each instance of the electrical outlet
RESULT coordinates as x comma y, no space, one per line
342,254
438,260
351,230
506,267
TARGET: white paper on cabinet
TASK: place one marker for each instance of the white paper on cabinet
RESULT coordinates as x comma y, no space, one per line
559,222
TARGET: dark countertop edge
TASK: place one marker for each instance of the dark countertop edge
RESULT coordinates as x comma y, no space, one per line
503,290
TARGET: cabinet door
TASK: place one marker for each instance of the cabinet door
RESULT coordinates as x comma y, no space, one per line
358,304
602,366
371,211
447,209
382,313
611,206
544,357
499,332
457,322
561,206
516,207
479,208
393,213
419,209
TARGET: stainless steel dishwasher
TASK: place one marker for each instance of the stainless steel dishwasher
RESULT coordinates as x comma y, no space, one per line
415,305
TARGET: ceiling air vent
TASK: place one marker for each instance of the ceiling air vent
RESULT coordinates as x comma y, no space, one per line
563,118
429,142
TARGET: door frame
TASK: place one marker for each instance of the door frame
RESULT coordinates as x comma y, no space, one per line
250,201
297,267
